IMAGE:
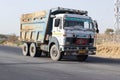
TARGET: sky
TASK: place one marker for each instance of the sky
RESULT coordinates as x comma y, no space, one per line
11,11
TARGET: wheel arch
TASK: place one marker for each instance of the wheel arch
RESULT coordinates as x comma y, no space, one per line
53,41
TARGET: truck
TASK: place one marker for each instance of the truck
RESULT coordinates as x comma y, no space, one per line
58,32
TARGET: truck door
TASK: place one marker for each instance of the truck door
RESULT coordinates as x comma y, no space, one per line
57,28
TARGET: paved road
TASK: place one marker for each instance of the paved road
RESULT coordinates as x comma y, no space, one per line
14,66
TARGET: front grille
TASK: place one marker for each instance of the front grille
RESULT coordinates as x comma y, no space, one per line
79,41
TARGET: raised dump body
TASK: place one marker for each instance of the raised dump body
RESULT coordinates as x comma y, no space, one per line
58,32
34,26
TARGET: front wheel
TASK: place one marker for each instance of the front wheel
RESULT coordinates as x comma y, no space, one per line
82,57
55,53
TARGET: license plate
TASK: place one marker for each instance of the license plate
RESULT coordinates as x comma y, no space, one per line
82,51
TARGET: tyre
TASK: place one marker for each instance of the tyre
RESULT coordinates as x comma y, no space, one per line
82,57
55,53
25,49
34,52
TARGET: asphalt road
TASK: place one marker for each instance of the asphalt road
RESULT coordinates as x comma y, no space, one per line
15,66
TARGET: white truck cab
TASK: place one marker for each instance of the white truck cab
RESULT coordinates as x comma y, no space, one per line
73,29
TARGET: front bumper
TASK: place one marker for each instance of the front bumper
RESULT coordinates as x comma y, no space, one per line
78,50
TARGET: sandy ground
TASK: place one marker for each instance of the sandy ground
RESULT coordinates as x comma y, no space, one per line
109,50
9,44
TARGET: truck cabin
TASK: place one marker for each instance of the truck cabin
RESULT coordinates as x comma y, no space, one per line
70,18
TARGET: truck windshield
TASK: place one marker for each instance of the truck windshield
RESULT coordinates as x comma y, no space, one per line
81,23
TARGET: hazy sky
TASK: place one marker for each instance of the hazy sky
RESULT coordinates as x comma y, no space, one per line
11,10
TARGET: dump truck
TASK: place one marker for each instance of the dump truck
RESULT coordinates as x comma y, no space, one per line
58,32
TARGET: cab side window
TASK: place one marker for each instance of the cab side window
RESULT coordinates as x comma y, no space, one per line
58,23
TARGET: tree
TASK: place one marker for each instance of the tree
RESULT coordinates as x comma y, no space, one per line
109,31
3,36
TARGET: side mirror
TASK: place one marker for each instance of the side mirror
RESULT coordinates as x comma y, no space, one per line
57,22
96,26
97,31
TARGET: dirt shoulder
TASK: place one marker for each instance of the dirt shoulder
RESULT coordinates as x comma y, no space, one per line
108,50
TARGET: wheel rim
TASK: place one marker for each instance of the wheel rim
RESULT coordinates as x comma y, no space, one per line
54,52
25,49
32,50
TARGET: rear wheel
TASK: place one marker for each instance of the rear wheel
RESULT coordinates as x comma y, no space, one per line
34,52
25,49
55,53
82,57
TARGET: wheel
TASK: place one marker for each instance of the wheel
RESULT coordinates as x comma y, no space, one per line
25,49
82,57
34,52
55,53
